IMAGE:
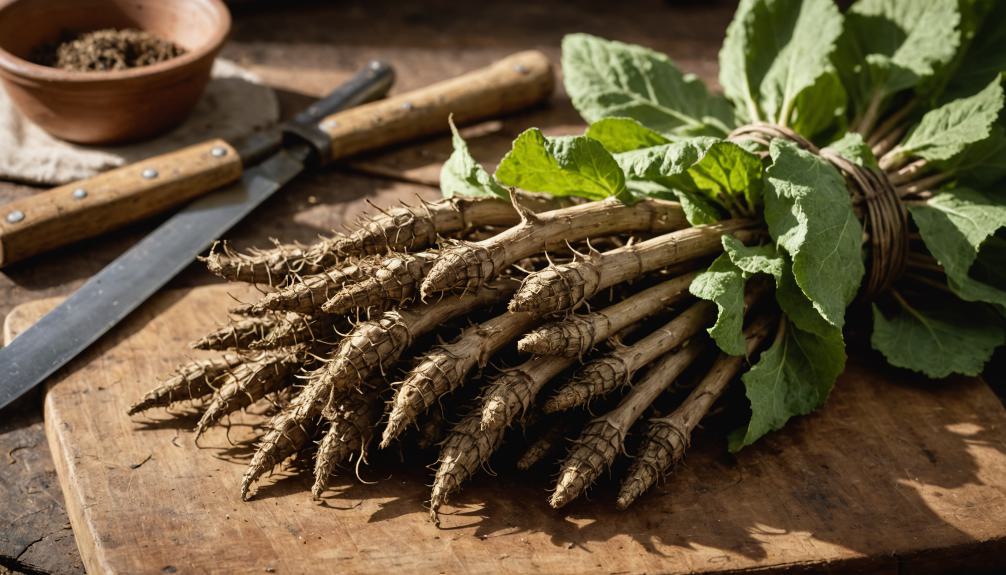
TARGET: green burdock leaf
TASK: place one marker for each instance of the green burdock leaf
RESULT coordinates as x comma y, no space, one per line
793,377
565,166
767,259
623,135
728,173
982,163
709,174
852,147
893,45
763,259
948,130
955,225
985,56
461,175
773,51
990,265
664,161
699,210
809,214
611,79
820,108
723,284
955,338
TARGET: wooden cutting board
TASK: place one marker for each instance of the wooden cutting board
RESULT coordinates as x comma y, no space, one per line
894,476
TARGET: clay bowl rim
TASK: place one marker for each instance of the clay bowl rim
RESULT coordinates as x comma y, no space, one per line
21,68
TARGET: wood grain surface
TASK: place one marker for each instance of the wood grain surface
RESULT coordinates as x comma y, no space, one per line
895,474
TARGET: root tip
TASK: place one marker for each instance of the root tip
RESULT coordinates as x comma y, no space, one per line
391,431
623,502
318,489
559,498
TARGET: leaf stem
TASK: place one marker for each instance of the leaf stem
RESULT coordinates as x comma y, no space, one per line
907,173
887,144
892,124
924,187
923,262
908,307
893,159
872,113
928,281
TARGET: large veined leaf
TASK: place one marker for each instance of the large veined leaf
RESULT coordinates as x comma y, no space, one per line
666,166
565,166
793,377
611,79
990,265
723,284
768,259
955,225
461,175
773,51
729,174
985,55
623,135
953,338
698,210
982,163
949,130
664,161
706,173
852,147
819,110
893,45
809,214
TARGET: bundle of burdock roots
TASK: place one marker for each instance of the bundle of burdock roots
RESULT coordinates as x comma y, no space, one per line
617,283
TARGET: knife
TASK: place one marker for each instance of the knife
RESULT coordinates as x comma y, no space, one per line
513,83
112,199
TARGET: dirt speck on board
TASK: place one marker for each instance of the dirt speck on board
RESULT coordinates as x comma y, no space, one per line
103,50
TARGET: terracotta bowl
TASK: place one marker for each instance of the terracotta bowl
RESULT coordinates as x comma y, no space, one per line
115,106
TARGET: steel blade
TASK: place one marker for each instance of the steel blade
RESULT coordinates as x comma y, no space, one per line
136,275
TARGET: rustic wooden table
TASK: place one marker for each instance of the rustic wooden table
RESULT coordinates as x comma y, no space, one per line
303,49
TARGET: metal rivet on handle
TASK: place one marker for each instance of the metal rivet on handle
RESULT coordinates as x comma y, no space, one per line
15,216
521,69
149,174
375,65
218,151
79,194
407,106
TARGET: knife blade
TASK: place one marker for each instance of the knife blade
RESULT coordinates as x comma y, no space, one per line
510,84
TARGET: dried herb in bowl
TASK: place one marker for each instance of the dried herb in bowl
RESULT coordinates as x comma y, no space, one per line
108,49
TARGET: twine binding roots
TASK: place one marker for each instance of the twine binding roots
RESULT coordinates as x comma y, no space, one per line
884,217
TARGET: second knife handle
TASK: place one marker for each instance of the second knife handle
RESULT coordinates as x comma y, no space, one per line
370,83
513,83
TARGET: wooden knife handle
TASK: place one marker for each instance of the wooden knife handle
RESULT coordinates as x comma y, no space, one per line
513,83
89,207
